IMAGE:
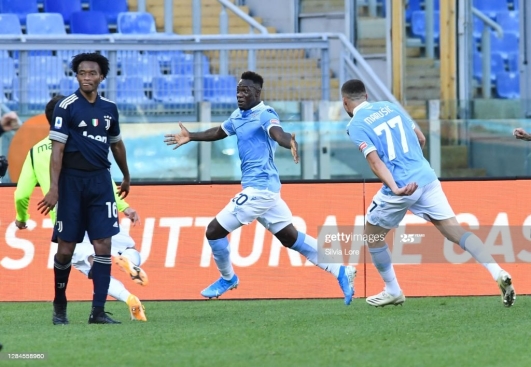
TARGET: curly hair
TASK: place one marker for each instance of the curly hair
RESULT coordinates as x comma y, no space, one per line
50,106
101,60
254,77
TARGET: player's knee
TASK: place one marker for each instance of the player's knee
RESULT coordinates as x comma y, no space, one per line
215,231
102,246
287,235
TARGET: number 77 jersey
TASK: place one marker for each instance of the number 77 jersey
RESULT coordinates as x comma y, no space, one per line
384,128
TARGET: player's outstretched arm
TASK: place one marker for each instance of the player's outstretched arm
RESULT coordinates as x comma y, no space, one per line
520,134
56,164
382,172
212,134
118,152
285,140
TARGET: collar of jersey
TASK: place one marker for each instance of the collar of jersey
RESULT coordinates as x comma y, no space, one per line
255,108
359,107
78,93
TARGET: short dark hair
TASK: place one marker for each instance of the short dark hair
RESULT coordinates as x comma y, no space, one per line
254,77
50,106
101,60
353,89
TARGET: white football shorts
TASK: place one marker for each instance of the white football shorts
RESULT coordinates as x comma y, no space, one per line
428,202
84,250
263,205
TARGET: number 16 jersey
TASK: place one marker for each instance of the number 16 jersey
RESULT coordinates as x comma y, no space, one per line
384,128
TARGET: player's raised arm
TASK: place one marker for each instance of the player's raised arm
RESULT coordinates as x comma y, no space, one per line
212,134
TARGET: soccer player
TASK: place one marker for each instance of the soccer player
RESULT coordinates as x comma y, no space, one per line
36,170
392,145
258,130
85,126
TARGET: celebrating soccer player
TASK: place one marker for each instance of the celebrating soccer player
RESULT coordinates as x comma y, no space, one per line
392,145
258,130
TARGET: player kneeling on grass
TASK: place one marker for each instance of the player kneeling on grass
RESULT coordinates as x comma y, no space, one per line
36,169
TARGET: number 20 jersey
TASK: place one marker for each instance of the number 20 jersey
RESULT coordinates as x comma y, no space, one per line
384,128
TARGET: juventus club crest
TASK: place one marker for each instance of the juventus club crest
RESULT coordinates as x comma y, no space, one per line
107,119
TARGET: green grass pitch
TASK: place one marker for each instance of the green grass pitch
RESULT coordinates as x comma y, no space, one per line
464,331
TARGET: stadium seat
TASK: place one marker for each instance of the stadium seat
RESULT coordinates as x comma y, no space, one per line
65,7
497,66
509,21
45,23
19,7
38,92
130,90
68,85
508,85
219,88
7,72
183,64
514,60
10,24
67,55
173,89
506,45
89,22
136,23
478,28
111,9
418,25
146,67
412,6
491,7
49,67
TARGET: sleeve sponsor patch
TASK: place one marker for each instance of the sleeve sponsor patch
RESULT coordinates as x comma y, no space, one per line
274,122
362,146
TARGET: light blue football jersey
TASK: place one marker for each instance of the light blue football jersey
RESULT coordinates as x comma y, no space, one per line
255,146
384,128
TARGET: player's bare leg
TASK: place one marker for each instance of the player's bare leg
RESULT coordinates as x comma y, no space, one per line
381,258
452,230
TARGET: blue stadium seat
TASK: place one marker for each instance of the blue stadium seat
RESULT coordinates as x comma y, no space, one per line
45,23
478,28
38,92
7,72
146,67
491,7
514,60
10,24
219,88
412,6
136,23
89,22
508,85
68,85
183,64
516,4
173,89
130,90
497,66
509,21
64,7
51,68
19,7
67,55
506,45
418,25
111,9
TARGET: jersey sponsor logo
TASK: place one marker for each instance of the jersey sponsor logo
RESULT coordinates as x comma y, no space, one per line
103,139
82,124
95,122
362,146
274,122
58,122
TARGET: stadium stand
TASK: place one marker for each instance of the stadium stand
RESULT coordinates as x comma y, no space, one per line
89,22
19,7
45,23
136,23
65,7
111,9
